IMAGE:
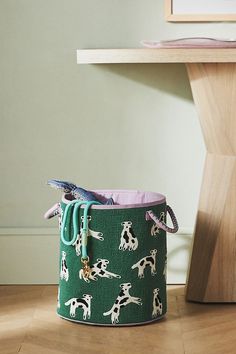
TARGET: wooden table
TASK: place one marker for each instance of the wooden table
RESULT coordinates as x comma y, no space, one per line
212,75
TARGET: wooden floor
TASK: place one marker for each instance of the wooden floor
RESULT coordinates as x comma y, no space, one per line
29,325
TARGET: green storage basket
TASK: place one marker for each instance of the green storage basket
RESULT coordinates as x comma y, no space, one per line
113,259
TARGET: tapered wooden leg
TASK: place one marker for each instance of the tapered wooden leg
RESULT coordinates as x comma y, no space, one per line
212,270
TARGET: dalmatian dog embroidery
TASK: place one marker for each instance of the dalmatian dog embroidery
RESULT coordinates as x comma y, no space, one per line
157,303
84,303
124,298
64,273
95,234
146,261
99,269
128,240
155,230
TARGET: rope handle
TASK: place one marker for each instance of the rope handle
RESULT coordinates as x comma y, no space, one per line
74,205
151,216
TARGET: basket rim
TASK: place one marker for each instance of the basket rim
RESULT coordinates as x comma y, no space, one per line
159,199
159,318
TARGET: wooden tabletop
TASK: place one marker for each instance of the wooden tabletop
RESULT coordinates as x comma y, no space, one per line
146,55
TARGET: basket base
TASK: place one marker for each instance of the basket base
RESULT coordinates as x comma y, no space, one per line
113,325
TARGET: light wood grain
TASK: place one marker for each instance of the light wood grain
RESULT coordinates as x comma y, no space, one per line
172,17
148,55
29,325
201,18
212,272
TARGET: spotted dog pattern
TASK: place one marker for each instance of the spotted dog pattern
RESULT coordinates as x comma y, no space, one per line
99,269
146,261
156,303
100,306
64,273
128,240
84,303
95,234
124,298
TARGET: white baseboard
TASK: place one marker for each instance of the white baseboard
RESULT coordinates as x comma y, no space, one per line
30,255
28,231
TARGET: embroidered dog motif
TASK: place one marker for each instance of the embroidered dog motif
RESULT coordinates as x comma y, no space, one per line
155,230
124,298
145,262
157,303
95,234
64,273
84,303
128,240
99,269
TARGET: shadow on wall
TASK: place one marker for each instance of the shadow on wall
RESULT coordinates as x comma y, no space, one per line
179,248
171,78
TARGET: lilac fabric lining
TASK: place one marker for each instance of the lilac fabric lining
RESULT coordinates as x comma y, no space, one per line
124,199
191,42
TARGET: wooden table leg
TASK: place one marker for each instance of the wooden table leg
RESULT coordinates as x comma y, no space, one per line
212,271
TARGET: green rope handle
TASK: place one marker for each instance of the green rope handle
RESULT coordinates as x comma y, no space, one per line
66,222
74,205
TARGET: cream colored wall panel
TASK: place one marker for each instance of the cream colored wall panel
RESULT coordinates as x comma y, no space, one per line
30,259
178,251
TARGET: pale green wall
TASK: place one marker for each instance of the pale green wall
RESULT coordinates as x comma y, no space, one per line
119,126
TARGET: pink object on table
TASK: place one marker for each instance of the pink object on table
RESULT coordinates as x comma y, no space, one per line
191,42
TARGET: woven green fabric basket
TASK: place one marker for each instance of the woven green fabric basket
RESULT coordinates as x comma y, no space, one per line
126,248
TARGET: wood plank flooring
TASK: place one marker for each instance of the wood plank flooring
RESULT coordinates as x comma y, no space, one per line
29,325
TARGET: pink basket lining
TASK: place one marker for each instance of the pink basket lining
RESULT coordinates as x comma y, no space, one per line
124,198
